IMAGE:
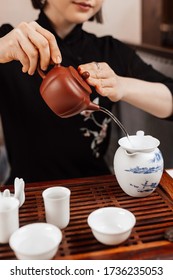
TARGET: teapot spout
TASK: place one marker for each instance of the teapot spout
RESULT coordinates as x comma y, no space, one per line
130,153
93,107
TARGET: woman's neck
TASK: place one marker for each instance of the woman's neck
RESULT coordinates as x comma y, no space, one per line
63,30
61,26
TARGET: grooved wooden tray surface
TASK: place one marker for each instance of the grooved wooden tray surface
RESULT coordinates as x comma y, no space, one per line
154,215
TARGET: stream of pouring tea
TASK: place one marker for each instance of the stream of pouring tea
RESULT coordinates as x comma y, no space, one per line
116,121
85,75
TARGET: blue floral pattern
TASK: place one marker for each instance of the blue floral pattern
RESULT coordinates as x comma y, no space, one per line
144,170
157,157
149,170
146,187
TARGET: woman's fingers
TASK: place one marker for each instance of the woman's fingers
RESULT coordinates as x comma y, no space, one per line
41,46
30,44
54,50
103,78
36,47
97,70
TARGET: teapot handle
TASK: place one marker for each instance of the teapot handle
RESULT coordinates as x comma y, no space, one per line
41,73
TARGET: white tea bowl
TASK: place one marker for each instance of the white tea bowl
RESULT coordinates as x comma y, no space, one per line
37,241
111,225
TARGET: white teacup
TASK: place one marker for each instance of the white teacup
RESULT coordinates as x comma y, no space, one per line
9,217
57,206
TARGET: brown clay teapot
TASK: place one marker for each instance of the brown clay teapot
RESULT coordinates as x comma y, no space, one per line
66,92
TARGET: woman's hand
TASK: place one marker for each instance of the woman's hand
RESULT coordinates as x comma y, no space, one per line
29,43
154,98
104,79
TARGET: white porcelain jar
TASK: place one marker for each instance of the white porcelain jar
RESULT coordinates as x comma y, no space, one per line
138,164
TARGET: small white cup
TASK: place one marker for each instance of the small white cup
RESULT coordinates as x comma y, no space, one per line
9,217
57,206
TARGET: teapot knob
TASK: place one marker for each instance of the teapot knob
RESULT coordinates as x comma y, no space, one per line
85,75
140,133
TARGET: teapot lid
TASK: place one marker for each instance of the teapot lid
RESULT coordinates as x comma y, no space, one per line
79,79
139,142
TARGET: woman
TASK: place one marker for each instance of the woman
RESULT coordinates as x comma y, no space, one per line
40,145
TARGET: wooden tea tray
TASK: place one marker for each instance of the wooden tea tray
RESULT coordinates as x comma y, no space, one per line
154,215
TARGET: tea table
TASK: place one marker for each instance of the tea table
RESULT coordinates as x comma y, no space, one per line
154,215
